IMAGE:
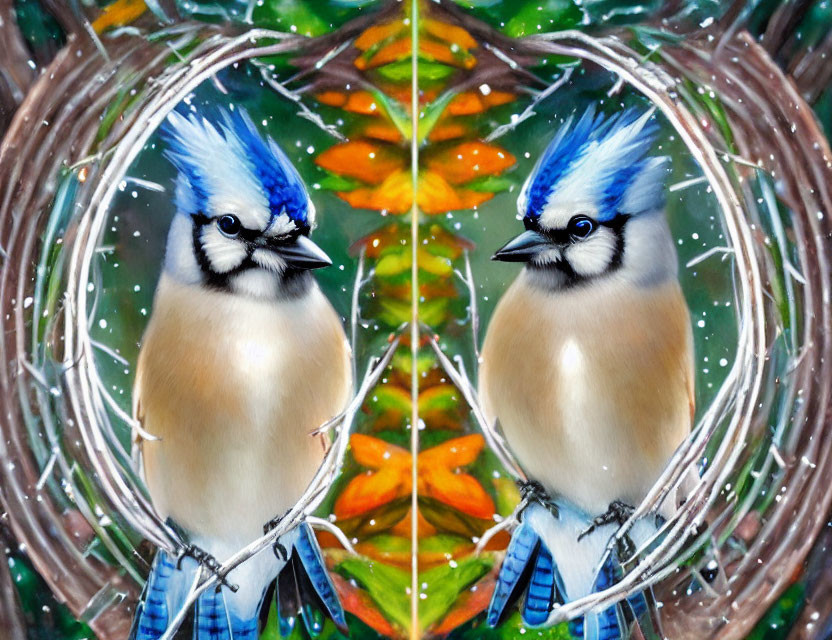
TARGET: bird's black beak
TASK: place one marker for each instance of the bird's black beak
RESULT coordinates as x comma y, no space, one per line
523,248
302,253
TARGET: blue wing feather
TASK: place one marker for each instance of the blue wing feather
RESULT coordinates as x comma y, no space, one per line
151,617
312,562
541,592
212,622
609,623
520,552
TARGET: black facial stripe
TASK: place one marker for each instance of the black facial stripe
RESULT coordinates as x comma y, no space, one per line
618,253
563,237
295,282
570,278
212,278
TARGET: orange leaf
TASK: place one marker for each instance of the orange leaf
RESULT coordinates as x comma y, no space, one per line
449,33
441,52
466,104
459,490
376,453
332,98
382,130
453,453
448,131
362,102
377,33
468,160
390,235
395,194
365,161
437,196
496,98
368,491
118,14
403,527
397,50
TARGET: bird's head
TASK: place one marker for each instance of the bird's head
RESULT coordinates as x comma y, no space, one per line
243,214
593,205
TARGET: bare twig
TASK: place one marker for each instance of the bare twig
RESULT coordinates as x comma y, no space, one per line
460,380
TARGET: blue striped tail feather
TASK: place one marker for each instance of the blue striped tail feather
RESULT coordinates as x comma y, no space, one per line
609,623
215,620
212,620
212,617
151,617
541,592
528,566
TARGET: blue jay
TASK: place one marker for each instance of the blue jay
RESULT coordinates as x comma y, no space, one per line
242,359
587,364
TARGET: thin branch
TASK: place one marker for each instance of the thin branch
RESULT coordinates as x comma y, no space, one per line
506,523
461,381
326,525
529,111
468,279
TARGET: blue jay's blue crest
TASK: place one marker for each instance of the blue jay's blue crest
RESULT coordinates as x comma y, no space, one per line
229,164
598,166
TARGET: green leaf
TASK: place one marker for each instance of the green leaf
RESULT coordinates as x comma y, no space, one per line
433,312
543,16
292,16
781,616
427,71
386,585
390,398
489,184
429,116
333,182
445,583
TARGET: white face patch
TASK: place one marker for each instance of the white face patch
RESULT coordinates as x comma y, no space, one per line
281,225
269,260
593,255
548,256
223,253
257,283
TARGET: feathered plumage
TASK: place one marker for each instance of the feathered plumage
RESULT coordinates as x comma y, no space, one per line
230,161
598,165
243,358
587,363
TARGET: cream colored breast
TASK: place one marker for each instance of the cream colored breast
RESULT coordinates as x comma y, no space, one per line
233,386
592,386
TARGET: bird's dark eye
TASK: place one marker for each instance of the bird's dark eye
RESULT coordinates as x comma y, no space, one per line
580,227
229,225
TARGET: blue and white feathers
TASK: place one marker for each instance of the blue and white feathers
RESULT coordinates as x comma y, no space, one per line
597,167
243,215
229,165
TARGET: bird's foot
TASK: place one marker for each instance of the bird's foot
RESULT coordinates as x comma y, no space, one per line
532,491
209,562
617,512
279,550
